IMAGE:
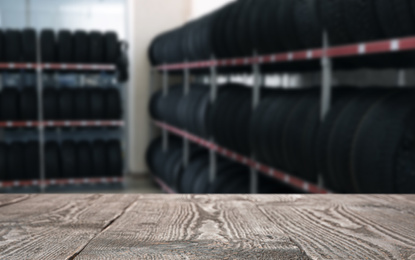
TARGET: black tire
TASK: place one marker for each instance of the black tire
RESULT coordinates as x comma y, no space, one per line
97,104
50,104
48,46
82,105
114,156
341,99
113,104
342,135
278,124
99,159
395,17
286,26
2,59
29,45
65,46
10,103
81,47
301,116
66,104
111,50
383,150
4,151
362,20
225,178
190,175
96,47
308,23
29,104
15,162
84,159
13,46
69,159
334,19
31,159
53,161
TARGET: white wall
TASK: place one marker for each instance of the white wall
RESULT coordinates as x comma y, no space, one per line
147,18
201,7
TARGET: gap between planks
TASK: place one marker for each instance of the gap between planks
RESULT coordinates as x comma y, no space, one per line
20,198
72,257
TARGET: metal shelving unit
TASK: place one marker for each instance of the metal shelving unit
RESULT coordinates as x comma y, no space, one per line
41,125
325,54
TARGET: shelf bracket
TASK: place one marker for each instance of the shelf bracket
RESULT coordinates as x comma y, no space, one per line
165,133
213,96
327,77
256,97
186,143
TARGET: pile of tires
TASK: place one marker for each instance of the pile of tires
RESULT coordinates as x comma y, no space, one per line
272,26
61,104
82,104
19,161
227,121
231,177
71,159
364,144
185,111
18,104
65,46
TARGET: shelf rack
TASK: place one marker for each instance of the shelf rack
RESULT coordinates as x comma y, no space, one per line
164,186
325,54
57,182
385,46
93,123
39,67
276,174
56,66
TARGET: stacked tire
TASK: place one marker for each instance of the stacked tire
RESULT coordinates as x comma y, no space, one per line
79,46
365,144
19,161
82,104
231,177
65,46
61,104
83,159
245,27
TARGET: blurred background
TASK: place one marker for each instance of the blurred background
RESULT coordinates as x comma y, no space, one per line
196,96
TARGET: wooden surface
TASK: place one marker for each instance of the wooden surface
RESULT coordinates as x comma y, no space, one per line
206,227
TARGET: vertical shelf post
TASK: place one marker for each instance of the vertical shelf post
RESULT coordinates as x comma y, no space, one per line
165,93
213,96
326,90
41,127
256,96
186,143
326,80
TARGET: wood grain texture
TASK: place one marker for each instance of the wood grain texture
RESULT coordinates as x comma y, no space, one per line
13,198
209,227
192,227
56,226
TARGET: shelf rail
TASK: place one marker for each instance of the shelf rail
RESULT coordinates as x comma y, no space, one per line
350,50
276,174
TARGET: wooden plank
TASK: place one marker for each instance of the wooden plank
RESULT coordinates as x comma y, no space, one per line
261,227
192,227
56,226
348,227
13,198
208,227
